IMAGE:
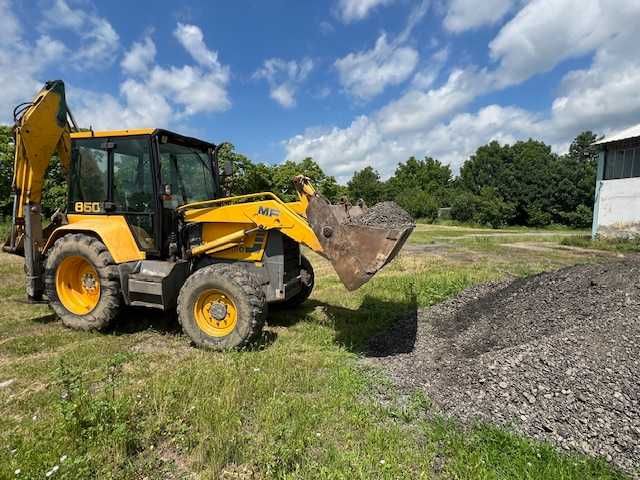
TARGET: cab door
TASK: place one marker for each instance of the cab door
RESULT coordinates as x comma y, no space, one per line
133,189
116,176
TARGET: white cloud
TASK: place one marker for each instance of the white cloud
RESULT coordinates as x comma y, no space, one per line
284,78
21,62
192,39
99,42
469,14
366,74
197,90
418,109
546,32
538,38
138,59
430,120
363,143
149,94
427,76
138,107
155,95
603,96
353,10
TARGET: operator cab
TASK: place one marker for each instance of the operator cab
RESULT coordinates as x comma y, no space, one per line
142,175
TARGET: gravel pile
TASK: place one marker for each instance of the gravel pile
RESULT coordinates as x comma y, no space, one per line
384,214
555,356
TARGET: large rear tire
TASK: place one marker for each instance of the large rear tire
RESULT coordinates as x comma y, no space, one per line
82,282
307,279
222,307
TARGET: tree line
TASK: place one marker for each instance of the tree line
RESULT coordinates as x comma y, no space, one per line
520,184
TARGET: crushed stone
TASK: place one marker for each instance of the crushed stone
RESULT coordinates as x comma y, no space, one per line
383,214
555,356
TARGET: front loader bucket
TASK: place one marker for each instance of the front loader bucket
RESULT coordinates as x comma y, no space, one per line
357,252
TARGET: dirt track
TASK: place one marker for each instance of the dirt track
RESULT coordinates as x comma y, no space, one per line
556,356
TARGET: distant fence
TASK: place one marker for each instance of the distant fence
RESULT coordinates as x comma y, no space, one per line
444,213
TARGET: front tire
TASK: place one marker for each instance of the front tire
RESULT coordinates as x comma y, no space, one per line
222,307
82,282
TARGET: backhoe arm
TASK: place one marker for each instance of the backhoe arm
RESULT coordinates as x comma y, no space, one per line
41,130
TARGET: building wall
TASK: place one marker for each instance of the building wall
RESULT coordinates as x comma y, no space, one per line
616,211
617,208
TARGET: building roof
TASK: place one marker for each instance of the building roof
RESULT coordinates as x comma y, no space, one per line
631,132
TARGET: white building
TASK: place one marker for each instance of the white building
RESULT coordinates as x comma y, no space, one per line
616,212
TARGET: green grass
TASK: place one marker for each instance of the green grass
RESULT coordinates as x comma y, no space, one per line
140,402
613,245
4,230
432,234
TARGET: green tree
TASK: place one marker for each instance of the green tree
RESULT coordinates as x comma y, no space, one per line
54,190
428,175
574,180
366,185
464,207
6,169
247,177
283,179
492,209
418,203
488,167
520,174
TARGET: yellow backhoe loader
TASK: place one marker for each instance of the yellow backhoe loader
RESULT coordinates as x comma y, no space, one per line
147,224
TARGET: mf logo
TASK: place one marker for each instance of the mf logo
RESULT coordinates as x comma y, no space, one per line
268,212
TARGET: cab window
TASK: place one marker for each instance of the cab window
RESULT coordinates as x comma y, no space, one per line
187,172
89,171
132,180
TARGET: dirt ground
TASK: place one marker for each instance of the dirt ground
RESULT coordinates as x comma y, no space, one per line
555,356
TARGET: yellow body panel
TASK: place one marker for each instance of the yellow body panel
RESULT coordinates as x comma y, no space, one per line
224,216
113,133
250,246
113,230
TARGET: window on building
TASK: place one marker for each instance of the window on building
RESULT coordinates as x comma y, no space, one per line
622,163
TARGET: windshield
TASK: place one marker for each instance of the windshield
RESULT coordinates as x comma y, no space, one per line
187,169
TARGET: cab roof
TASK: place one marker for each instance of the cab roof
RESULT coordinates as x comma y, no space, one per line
139,131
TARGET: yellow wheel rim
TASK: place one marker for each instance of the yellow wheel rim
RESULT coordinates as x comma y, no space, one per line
78,285
215,313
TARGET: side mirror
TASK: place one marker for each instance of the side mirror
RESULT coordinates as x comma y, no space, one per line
228,168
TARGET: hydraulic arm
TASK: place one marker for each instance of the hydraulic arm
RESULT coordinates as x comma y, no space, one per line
42,129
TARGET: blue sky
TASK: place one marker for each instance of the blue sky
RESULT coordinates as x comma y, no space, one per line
349,82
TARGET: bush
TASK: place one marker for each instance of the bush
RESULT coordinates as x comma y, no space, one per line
54,196
419,204
464,207
581,218
493,210
536,217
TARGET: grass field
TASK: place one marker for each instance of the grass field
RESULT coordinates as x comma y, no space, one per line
139,402
613,245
